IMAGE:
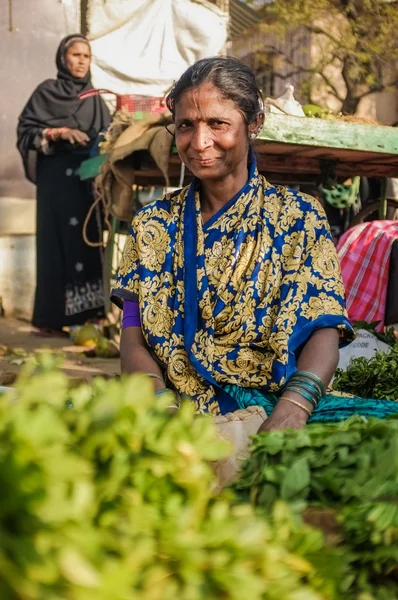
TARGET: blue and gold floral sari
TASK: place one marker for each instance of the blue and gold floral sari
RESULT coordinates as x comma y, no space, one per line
226,306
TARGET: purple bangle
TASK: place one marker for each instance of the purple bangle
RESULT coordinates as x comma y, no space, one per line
131,314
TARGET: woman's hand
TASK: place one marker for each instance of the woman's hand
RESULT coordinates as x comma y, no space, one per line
73,136
285,416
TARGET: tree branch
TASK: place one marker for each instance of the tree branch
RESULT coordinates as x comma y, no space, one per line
320,31
379,88
310,70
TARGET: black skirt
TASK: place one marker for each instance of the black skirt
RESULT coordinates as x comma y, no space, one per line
69,288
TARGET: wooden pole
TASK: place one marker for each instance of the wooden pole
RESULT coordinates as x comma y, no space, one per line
83,16
223,5
10,27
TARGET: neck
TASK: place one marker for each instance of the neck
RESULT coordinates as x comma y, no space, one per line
215,194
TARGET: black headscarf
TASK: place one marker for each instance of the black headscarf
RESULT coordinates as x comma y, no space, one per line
55,103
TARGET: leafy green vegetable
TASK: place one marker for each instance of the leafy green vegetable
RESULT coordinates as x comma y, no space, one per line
105,496
388,336
346,475
376,377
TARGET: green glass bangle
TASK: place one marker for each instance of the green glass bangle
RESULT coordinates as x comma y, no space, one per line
307,381
308,385
162,392
314,378
303,393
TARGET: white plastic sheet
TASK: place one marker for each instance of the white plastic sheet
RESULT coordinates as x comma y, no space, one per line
365,344
142,46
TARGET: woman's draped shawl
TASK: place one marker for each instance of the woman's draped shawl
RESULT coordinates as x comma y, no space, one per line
233,300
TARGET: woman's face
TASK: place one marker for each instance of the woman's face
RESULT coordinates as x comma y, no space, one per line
211,134
78,59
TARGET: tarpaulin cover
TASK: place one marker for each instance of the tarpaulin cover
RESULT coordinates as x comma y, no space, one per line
142,46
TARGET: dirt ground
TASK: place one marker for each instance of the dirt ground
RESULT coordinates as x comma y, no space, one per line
17,337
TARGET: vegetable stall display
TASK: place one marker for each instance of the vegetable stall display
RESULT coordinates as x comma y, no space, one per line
105,495
376,377
342,478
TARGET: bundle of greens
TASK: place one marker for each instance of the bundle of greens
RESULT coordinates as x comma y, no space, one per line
105,496
342,478
388,336
376,377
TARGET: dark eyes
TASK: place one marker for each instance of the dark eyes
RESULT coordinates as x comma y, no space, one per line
214,123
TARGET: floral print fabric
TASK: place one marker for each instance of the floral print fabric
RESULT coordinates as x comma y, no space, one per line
231,301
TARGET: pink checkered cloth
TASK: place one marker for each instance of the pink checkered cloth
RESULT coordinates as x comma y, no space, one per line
364,252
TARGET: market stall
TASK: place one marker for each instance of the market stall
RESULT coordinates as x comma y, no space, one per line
291,150
296,148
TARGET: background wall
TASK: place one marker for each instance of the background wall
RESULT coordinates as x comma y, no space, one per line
27,58
30,31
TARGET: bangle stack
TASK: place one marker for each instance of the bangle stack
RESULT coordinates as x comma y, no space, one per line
308,385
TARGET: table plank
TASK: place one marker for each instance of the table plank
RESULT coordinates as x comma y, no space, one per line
329,133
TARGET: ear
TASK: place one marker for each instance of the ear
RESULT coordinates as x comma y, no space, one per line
260,120
256,127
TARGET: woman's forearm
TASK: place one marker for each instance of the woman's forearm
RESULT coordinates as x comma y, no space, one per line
320,354
135,356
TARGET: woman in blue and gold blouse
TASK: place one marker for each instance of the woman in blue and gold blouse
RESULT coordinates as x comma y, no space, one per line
231,286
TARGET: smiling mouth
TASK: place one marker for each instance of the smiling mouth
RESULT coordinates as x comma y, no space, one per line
205,161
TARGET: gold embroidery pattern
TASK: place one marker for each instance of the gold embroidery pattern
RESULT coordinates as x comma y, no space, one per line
266,271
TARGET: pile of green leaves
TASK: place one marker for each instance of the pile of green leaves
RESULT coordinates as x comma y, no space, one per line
376,377
344,479
387,336
105,496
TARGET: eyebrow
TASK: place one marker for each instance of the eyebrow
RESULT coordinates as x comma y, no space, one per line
208,120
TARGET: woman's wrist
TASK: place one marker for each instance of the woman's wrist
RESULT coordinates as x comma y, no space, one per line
299,398
159,383
296,405
54,134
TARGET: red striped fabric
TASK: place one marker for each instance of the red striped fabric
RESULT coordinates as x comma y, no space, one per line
364,252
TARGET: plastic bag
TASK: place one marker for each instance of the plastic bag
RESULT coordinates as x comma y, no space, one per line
237,428
285,104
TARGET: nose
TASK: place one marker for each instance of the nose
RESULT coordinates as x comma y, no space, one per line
201,138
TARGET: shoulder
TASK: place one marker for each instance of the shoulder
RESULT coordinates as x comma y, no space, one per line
40,92
161,210
45,86
293,200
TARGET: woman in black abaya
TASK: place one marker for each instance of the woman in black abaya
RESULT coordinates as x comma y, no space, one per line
56,132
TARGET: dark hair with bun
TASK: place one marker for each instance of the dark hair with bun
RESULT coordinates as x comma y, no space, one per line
235,80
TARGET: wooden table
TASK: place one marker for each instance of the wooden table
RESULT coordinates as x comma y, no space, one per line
298,149
293,150
308,145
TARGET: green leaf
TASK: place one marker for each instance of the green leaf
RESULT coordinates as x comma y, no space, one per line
296,480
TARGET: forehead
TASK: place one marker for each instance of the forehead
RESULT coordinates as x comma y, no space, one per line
80,47
205,101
